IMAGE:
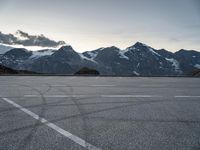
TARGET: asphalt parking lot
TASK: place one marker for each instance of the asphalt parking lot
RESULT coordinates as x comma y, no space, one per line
108,113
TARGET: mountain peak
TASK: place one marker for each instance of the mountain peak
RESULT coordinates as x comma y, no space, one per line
111,48
66,53
66,48
18,53
141,47
140,44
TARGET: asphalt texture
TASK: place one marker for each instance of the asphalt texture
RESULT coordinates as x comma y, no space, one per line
108,113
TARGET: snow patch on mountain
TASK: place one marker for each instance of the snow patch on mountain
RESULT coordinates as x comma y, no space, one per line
152,51
136,73
132,48
175,63
40,53
93,54
197,66
122,55
86,58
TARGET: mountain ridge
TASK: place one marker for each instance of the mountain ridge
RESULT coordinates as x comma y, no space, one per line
138,59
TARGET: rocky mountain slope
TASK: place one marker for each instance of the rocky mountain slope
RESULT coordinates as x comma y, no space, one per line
7,71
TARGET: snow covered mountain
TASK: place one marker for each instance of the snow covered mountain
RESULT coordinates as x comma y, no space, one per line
4,48
138,59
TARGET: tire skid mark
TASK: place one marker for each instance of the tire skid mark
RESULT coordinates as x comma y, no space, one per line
26,140
104,110
51,104
84,118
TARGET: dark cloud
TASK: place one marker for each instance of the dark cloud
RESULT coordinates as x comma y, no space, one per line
25,39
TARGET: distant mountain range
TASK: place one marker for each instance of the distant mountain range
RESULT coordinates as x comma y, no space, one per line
136,60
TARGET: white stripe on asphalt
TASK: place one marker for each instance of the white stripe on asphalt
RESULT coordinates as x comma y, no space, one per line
129,96
57,96
102,85
65,133
58,85
105,96
184,96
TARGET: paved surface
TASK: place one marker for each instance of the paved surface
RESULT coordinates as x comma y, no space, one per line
56,113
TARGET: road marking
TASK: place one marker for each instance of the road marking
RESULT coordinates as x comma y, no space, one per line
129,96
65,133
184,96
108,96
102,85
56,96
58,85
105,96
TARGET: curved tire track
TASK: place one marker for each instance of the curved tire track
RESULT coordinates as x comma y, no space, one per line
27,139
85,126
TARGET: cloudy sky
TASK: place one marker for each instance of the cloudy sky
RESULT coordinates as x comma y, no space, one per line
90,24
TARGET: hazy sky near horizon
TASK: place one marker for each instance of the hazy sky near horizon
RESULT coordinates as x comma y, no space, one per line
90,24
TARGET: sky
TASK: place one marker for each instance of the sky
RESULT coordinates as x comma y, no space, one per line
90,24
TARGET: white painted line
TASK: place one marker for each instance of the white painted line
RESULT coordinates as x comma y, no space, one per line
56,96
58,85
105,96
184,96
129,96
65,133
32,96
102,85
